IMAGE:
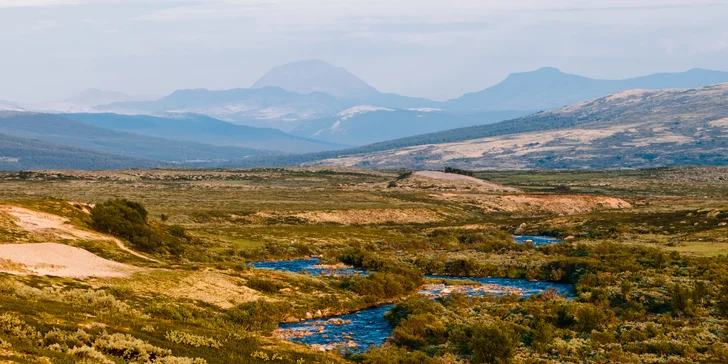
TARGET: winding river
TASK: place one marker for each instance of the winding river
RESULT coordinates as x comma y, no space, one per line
363,329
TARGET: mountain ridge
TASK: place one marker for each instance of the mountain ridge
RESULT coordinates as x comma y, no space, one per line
548,87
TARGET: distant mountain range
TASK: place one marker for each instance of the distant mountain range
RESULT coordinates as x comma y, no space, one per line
324,109
296,95
265,107
630,129
204,129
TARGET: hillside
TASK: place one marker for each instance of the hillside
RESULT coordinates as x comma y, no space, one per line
631,129
203,129
549,88
28,154
60,130
366,124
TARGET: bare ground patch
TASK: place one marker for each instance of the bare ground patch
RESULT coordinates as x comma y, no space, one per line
451,181
57,227
561,205
59,260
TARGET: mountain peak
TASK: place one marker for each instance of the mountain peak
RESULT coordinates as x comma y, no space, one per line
315,75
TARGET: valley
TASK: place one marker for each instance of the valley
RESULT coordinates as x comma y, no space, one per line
315,264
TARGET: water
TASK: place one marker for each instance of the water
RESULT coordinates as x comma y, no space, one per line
497,286
310,266
537,240
363,329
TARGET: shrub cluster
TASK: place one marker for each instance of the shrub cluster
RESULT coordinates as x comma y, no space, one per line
129,220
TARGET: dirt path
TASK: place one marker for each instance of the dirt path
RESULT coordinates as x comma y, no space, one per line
43,223
58,260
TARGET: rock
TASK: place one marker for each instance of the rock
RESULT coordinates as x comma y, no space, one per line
520,229
570,237
319,314
309,316
723,223
291,319
321,329
351,344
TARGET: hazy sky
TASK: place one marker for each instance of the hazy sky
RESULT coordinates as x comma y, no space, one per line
432,48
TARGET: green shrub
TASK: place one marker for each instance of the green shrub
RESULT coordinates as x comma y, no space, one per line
128,220
493,343
264,285
260,315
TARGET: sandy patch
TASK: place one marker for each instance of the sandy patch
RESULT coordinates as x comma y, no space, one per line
59,260
45,224
372,216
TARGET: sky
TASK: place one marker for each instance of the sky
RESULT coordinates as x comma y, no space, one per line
438,49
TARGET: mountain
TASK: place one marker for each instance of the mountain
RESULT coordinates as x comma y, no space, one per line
549,88
61,130
305,77
204,129
309,76
366,124
28,154
631,129
265,107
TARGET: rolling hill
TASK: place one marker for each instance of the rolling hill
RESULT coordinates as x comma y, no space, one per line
28,154
204,129
549,88
61,130
631,129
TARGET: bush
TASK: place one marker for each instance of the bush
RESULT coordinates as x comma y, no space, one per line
260,315
264,285
129,348
493,343
128,220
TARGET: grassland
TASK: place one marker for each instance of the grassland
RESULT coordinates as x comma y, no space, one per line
207,304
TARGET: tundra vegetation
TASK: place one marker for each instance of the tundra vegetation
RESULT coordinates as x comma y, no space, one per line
649,274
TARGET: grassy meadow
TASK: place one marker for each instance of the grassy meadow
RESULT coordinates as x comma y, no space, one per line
645,249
